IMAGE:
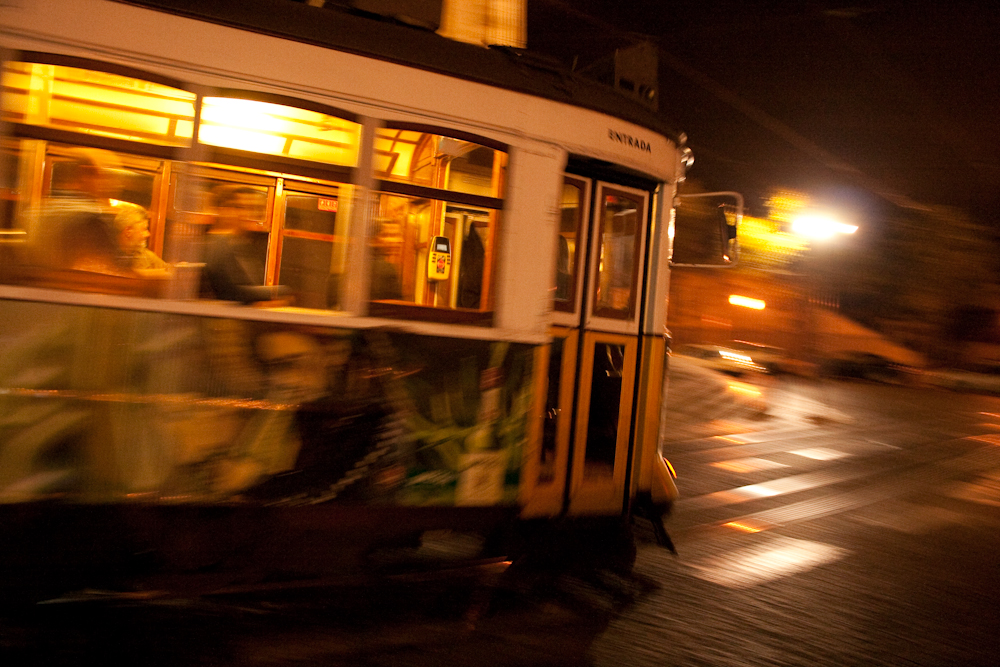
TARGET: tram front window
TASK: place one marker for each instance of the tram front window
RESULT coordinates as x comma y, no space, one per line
618,247
570,236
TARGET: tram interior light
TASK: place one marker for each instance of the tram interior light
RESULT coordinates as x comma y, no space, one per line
277,129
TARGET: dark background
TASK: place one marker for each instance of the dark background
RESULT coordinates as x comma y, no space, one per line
881,111
847,101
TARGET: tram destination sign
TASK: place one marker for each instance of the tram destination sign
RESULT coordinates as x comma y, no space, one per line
629,140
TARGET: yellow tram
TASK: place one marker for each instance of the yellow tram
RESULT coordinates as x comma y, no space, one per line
375,283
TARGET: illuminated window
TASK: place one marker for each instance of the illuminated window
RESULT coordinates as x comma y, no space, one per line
97,103
408,242
570,235
276,129
314,248
437,161
618,239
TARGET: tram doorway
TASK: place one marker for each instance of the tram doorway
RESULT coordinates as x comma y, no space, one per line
593,357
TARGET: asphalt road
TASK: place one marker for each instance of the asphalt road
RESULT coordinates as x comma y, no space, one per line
855,524
846,524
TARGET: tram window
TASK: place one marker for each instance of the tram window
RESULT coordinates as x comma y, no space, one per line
194,215
96,103
437,161
278,129
133,186
401,252
472,171
313,250
16,182
196,196
88,219
570,235
618,241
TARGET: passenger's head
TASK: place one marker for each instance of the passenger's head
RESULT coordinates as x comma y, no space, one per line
132,225
237,207
94,172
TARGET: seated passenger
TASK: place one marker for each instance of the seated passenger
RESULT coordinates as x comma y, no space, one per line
132,225
75,226
234,268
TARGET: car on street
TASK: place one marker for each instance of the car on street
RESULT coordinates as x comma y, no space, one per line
722,359
773,359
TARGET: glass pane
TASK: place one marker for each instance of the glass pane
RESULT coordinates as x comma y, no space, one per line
437,161
570,227
236,243
405,156
471,230
472,171
201,195
399,248
618,245
17,178
131,185
550,432
313,255
605,400
309,213
276,129
402,255
97,103
93,216
306,269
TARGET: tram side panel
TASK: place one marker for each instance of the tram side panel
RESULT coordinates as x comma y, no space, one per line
105,405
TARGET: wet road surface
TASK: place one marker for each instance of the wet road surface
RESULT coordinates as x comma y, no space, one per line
850,524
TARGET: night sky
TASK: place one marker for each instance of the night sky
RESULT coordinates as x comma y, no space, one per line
854,103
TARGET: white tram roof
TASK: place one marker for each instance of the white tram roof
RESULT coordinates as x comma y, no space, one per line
335,27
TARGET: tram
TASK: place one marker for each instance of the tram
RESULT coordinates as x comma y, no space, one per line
452,313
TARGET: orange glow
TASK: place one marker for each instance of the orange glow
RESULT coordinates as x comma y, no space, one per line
746,302
738,441
97,103
741,526
733,466
989,439
277,129
744,389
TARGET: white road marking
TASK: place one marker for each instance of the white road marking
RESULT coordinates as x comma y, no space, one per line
775,557
819,453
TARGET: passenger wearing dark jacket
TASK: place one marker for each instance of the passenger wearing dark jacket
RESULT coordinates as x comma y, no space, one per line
234,266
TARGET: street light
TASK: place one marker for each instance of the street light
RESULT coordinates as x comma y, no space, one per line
820,226
816,226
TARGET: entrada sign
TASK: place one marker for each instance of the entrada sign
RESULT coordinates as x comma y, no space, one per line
629,140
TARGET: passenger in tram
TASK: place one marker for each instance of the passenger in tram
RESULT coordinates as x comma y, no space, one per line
234,268
132,226
76,224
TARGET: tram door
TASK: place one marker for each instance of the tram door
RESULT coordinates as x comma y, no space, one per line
592,365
